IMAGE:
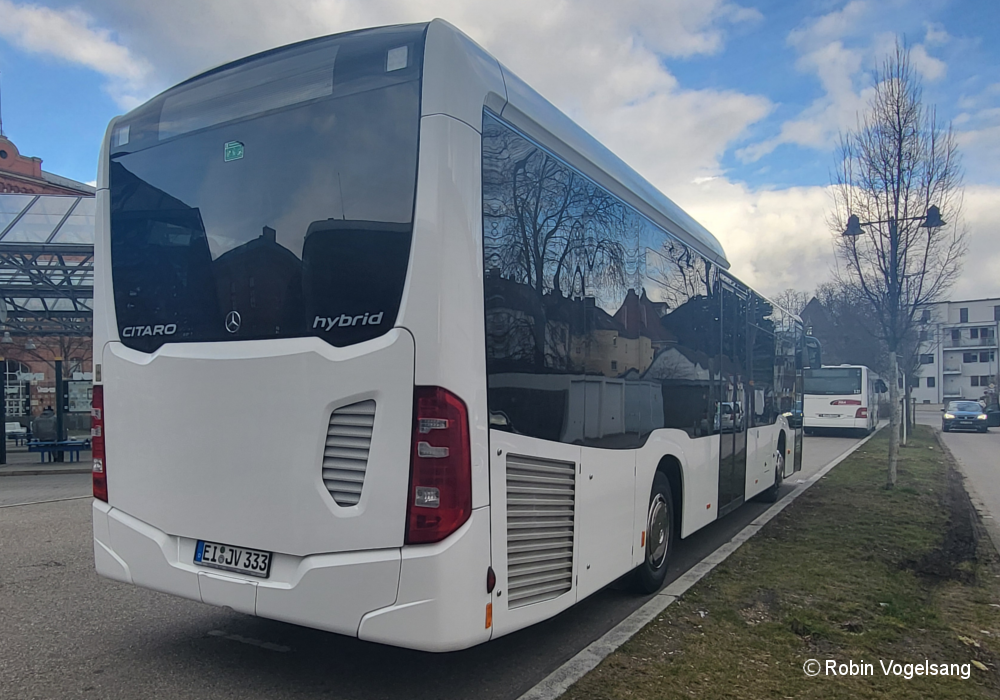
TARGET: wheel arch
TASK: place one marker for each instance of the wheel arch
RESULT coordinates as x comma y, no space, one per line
783,449
670,466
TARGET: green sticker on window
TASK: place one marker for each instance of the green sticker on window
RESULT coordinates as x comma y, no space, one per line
234,151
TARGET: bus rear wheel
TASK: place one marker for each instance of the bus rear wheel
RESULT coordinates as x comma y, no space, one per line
649,576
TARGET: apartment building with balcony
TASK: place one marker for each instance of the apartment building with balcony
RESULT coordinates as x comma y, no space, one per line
958,351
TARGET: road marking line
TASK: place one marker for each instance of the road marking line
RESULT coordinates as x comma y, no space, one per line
557,682
51,500
270,646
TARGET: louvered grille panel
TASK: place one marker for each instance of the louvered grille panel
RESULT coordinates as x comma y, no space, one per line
345,459
541,496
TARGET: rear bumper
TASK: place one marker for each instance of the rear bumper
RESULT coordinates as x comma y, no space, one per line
843,423
428,597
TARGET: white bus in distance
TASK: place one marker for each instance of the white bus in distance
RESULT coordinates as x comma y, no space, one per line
842,398
440,365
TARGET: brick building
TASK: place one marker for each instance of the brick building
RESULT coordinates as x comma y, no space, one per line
24,175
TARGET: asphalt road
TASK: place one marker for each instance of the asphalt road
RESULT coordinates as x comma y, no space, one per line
979,455
68,634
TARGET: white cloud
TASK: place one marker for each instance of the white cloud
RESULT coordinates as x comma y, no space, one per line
776,239
926,65
980,277
935,34
70,35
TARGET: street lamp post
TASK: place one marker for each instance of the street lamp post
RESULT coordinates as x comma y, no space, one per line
854,229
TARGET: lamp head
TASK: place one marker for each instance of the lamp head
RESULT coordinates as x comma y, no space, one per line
933,219
853,226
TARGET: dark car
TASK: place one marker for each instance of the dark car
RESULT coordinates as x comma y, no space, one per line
964,415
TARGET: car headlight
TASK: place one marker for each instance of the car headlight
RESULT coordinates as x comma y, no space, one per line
949,416
981,416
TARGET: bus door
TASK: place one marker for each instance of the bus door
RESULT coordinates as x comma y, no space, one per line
731,411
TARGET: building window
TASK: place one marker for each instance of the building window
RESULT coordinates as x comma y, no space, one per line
925,315
923,335
985,332
927,359
975,381
973,332
986,356
963,315
614,341
956,334
970,357
996,313
614,365
984,381
930,382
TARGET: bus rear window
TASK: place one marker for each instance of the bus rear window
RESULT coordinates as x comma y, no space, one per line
289,222
830,381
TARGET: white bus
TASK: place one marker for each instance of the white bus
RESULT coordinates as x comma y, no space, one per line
845,397
386,345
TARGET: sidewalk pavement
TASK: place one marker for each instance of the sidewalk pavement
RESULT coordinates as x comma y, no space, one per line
20,462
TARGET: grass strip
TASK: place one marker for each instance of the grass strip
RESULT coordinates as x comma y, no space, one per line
850,571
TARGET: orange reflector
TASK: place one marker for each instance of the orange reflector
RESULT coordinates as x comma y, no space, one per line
489,615
643,543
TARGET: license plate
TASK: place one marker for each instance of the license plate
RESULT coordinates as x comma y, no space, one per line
223,556
829,415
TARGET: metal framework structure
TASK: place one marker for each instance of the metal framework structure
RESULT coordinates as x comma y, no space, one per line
47,264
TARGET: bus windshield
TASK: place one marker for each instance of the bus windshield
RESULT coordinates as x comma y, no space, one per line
271,200
829,381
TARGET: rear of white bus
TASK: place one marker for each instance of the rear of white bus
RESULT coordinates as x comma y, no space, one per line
838,398
260,441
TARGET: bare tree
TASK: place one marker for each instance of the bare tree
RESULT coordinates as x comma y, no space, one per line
898,173
851,332
792,300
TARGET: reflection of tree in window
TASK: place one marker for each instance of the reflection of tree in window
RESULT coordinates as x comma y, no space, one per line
551,232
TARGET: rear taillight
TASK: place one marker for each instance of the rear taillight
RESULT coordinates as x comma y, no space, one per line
440,497
845,402
861,412
97,442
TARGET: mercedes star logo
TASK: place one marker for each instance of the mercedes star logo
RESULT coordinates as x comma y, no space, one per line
233,321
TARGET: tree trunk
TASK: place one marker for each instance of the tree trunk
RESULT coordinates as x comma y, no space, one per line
893,419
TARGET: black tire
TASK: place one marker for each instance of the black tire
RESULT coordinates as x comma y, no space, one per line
770,495
649,576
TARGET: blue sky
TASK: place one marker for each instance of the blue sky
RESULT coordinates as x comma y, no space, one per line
731,108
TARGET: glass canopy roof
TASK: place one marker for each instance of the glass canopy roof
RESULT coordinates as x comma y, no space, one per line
47,264
26,218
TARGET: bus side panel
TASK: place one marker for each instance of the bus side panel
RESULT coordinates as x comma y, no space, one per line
517,451
761,444
443,300
606,497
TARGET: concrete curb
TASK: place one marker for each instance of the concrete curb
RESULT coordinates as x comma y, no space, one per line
39,472
557,682
986,519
